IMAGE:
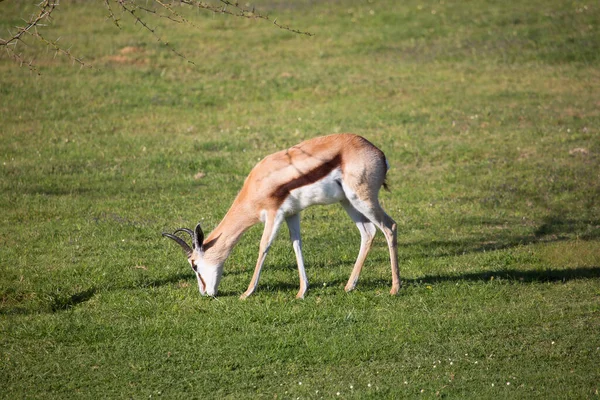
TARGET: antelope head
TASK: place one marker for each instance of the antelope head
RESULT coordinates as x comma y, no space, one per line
207,275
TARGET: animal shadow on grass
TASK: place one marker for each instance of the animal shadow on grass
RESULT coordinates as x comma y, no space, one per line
510,275
55,301
551,229
60,301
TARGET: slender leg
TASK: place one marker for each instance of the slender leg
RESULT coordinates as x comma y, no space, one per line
392,239
374,212
293,223
272,224
367,233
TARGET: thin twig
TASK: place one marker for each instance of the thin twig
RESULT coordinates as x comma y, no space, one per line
111,14
47,7
241,12
54,44
152,30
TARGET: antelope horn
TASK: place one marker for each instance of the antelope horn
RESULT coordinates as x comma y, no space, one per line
197,236
186,230
180,242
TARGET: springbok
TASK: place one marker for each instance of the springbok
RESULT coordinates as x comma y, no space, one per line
342,168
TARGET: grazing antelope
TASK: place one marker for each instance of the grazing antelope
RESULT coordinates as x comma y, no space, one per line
342,168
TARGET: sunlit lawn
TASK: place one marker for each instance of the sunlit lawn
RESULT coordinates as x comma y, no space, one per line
488,113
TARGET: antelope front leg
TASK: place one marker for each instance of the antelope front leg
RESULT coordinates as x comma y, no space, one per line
272,224
293,223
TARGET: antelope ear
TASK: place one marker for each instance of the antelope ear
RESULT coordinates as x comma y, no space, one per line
198,237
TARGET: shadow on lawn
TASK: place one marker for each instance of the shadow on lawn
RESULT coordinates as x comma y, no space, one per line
58,302
511,275
61,299
54,301
551,229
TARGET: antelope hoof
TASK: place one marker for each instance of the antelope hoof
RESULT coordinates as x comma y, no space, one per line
394,290
245,295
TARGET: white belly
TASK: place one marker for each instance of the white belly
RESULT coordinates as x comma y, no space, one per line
325,191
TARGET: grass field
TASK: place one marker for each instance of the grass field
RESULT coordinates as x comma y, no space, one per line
489,113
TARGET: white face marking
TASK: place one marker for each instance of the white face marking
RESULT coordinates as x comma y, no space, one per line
208,276
324,191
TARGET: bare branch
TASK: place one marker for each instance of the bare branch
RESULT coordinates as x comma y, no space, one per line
132,12
242,12
47,7
58,49
111,14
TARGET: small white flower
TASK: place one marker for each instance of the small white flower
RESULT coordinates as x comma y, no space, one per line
507,383
299,383
369,385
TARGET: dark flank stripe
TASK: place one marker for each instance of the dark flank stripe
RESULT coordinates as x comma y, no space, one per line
282,192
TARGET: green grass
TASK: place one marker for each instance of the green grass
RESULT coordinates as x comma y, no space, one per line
488,113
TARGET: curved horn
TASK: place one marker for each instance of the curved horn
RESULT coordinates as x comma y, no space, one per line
186,230
180,242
